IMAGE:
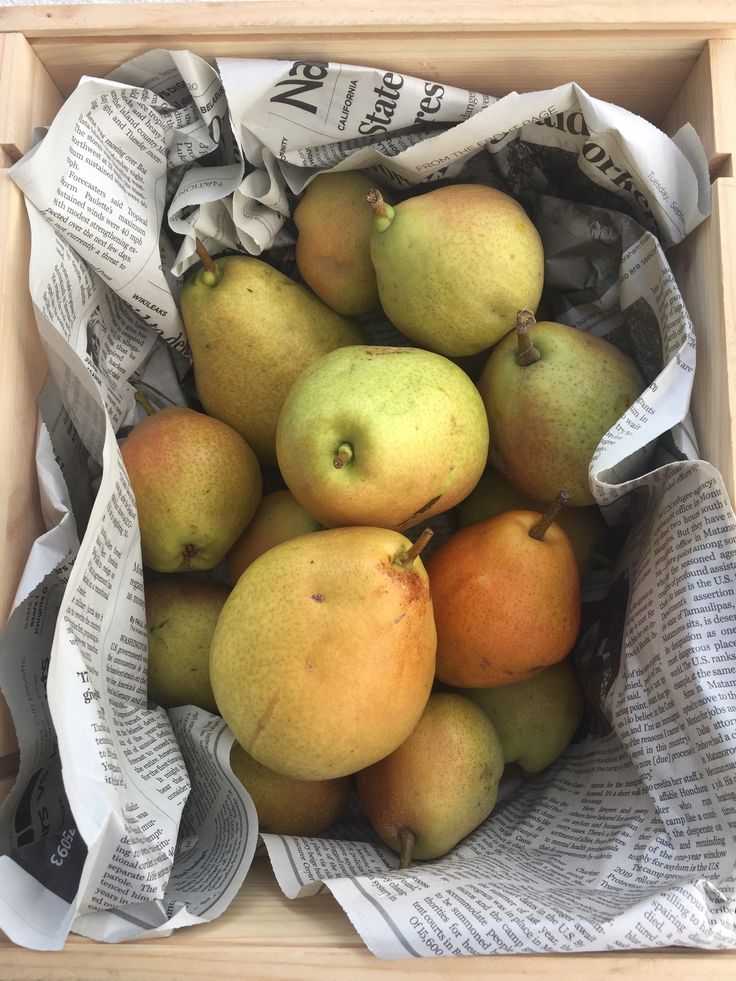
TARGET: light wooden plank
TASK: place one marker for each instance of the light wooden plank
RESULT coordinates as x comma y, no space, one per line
264,935
642,73
410,16
27,99
707,96
22,369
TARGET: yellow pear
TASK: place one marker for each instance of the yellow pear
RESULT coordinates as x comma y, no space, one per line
333,245
383,436
252,331
181,613
535,719
439,785
324,653
455,264
196,483
285,805
551,393
279,517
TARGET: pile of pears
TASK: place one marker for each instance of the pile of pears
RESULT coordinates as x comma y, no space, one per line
294,584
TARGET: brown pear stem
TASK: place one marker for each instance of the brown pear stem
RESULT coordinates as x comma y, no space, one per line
142,399
416,549
407,840
207,261
539,529
375,200
343,455
527,353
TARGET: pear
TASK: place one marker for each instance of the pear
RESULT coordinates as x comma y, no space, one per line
439,785
285,805
279,517
506,597
384,436
319,637
196,483
252,330
584,526
535,719
333,245
182,613
551,393
455,264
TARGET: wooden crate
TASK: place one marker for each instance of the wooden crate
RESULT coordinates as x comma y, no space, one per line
671,62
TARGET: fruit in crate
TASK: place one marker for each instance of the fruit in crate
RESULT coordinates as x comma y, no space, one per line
181,613
196,483
279,517
323,657
333,244
493,494
535,719
439,784
506,596
551,393
384,436
455,264
285,805
252,330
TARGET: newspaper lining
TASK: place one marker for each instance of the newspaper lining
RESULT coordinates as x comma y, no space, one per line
126,822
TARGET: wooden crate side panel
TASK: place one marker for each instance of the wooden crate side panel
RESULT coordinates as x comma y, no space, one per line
706,101
703,265
642,73
327,16
28,98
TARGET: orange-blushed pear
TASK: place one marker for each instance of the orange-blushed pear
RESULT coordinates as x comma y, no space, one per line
506,595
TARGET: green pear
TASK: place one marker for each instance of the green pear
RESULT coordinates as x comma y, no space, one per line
319,637
384,436
455,264
333,244
182,612
535,719
551,393
252,331
279,517
493,494
285,805
196,483
439,785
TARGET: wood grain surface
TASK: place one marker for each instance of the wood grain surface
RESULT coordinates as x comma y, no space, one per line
264,935
410,16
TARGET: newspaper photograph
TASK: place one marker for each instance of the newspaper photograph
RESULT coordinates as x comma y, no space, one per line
127,821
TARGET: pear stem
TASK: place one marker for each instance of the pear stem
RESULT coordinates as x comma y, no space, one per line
539,529
407,840
416,549
207,261
375,200
343,455
384,213
527,353
210,274
142,399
